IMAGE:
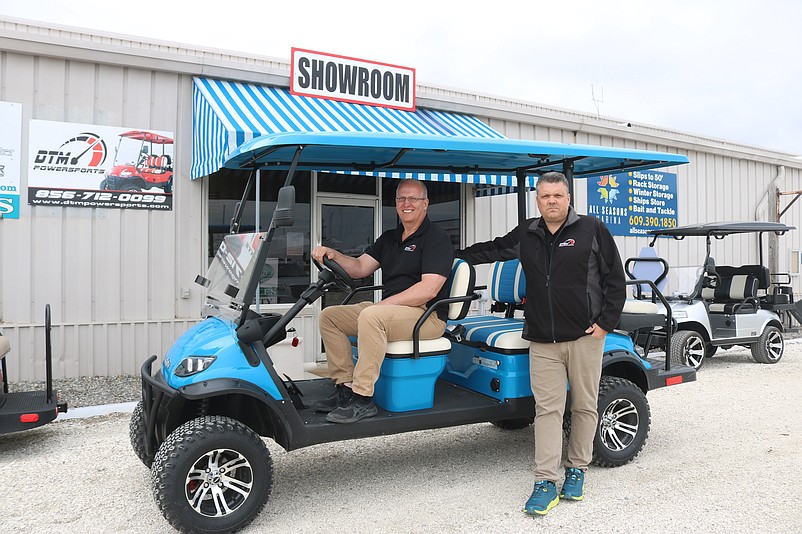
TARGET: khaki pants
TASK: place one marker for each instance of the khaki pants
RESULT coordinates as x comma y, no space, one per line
552,366
375,325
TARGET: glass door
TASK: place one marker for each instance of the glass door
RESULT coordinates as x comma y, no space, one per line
348,225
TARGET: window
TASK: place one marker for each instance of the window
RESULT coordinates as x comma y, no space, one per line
286,272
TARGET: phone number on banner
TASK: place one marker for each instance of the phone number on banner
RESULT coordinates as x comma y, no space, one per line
77,198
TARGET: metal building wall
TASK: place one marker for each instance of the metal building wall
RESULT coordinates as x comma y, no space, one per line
113,278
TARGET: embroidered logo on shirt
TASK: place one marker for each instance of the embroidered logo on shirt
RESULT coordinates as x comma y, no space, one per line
410,248
568,243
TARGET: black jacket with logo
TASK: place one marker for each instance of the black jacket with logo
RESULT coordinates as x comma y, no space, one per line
580,281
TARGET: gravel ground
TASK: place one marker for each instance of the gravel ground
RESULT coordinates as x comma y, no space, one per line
722,456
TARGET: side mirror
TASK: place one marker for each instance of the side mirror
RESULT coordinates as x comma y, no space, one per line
285,207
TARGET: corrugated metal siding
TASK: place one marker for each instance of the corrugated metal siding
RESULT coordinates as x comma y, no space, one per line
113,278
88,349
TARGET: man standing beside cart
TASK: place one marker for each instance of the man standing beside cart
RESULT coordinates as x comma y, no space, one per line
575,291
415,259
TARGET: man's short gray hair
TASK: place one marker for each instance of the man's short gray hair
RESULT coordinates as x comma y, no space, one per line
417,182
553,177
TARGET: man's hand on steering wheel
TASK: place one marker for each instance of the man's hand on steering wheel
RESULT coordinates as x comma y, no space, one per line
342,279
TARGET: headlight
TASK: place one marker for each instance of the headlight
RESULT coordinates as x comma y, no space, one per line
126,173
679,314
194,364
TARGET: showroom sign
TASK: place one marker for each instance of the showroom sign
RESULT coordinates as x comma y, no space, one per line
91,166
322,75
10,153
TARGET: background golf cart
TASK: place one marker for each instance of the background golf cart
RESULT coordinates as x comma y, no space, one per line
217,391
28,409
726,305
141,162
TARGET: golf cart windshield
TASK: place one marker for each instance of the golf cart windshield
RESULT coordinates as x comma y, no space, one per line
230,280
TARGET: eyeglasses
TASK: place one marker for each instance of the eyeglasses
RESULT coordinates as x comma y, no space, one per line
412,200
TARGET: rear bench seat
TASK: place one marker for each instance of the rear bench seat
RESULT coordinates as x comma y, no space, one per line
507,285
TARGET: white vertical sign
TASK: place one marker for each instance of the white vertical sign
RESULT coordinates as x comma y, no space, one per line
10,147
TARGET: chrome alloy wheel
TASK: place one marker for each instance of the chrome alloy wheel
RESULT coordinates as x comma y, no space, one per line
775,345
219,482
694,351
619,425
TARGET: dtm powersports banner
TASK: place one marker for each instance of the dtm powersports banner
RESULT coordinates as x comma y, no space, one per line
91,166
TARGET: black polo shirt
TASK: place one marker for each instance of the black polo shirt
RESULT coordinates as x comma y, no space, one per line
427,251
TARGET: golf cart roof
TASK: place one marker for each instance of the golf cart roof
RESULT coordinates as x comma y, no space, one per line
151,137
377,152
722,229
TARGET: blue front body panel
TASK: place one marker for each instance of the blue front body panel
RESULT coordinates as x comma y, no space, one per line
215,337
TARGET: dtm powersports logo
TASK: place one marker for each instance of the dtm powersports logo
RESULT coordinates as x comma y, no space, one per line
84,153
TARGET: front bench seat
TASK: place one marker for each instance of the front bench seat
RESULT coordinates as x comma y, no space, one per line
733,294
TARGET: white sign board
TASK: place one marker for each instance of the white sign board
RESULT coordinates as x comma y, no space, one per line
10,154
91,166
322,75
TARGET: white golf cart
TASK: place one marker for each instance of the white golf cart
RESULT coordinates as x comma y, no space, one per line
729,305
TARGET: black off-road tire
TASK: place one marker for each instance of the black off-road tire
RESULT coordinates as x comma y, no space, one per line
513,424
203,446
688,348
624,420
136,431
770,347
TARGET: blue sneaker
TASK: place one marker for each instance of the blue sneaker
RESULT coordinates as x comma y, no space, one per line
573,485
543,498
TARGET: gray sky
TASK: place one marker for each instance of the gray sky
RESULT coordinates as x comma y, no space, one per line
724,69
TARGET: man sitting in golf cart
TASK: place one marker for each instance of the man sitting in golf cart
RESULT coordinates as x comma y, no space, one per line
415,259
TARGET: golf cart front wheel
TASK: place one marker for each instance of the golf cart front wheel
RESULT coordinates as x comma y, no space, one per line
212,474
624,420
136,432
770,347
688,348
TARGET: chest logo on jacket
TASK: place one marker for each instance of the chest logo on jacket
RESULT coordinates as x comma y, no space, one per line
568,243
410,248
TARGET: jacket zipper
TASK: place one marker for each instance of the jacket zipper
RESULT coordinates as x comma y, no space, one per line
548,283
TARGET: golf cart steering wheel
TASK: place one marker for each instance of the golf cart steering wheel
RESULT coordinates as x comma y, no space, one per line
342,279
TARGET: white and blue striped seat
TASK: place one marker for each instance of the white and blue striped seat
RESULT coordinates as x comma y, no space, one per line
506,284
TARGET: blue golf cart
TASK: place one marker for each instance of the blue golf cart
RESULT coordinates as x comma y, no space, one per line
216,394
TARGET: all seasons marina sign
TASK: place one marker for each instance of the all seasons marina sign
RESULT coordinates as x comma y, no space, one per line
322,75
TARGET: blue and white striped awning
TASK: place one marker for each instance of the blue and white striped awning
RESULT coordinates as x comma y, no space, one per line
227,114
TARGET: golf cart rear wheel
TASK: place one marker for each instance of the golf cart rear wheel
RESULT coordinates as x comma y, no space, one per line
770,347
513,424
212,474
688,348
136,431
624,420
